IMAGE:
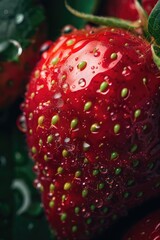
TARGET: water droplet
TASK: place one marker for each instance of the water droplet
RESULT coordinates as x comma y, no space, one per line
23,189
19,18
98,203
57,95
66,140
103,169
60,103
21,123
65,87
82,82
97,54
87,214
86,146
19,158
3,161
18,46
73,86
30,226
67,29
126,71
70,68
45,46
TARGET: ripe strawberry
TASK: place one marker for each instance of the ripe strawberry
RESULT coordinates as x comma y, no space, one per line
147,228
126,8
21,35
93,128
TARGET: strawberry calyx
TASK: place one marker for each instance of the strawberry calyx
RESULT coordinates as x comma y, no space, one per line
148,26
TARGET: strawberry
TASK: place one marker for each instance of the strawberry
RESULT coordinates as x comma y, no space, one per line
92,121
126,8
147,228
21,37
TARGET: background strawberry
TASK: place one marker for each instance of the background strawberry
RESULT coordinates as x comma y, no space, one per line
22,31
147,228
92,123
126,8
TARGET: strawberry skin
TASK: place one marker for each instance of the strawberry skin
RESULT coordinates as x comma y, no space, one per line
92,118
126,9
147,228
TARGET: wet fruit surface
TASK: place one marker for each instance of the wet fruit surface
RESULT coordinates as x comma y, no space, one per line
91,116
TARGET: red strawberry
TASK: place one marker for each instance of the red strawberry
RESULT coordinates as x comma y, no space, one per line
147,228
126,8
22,28
93,128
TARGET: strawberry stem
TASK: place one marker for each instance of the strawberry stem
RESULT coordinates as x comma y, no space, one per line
106,21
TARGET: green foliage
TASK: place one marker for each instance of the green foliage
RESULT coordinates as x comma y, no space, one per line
154,23
19,20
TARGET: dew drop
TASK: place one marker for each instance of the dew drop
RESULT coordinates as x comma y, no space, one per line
97,54
57,95
73,86
3,161
60,103
19,18
126,71
87,214
98,203
86,146
45,46
67,29
71,68
21,124
103,170
19,158
82,82
67,140
30,226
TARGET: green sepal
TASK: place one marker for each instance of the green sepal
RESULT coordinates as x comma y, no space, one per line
10,50
106,21
154,23
156,55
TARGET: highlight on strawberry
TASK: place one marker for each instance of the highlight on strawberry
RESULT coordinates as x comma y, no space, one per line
92,122
22,32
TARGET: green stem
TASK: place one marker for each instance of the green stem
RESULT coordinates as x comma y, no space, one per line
106,21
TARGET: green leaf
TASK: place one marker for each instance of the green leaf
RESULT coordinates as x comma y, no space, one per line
156,55
58,16
10,50
154,23
19,20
